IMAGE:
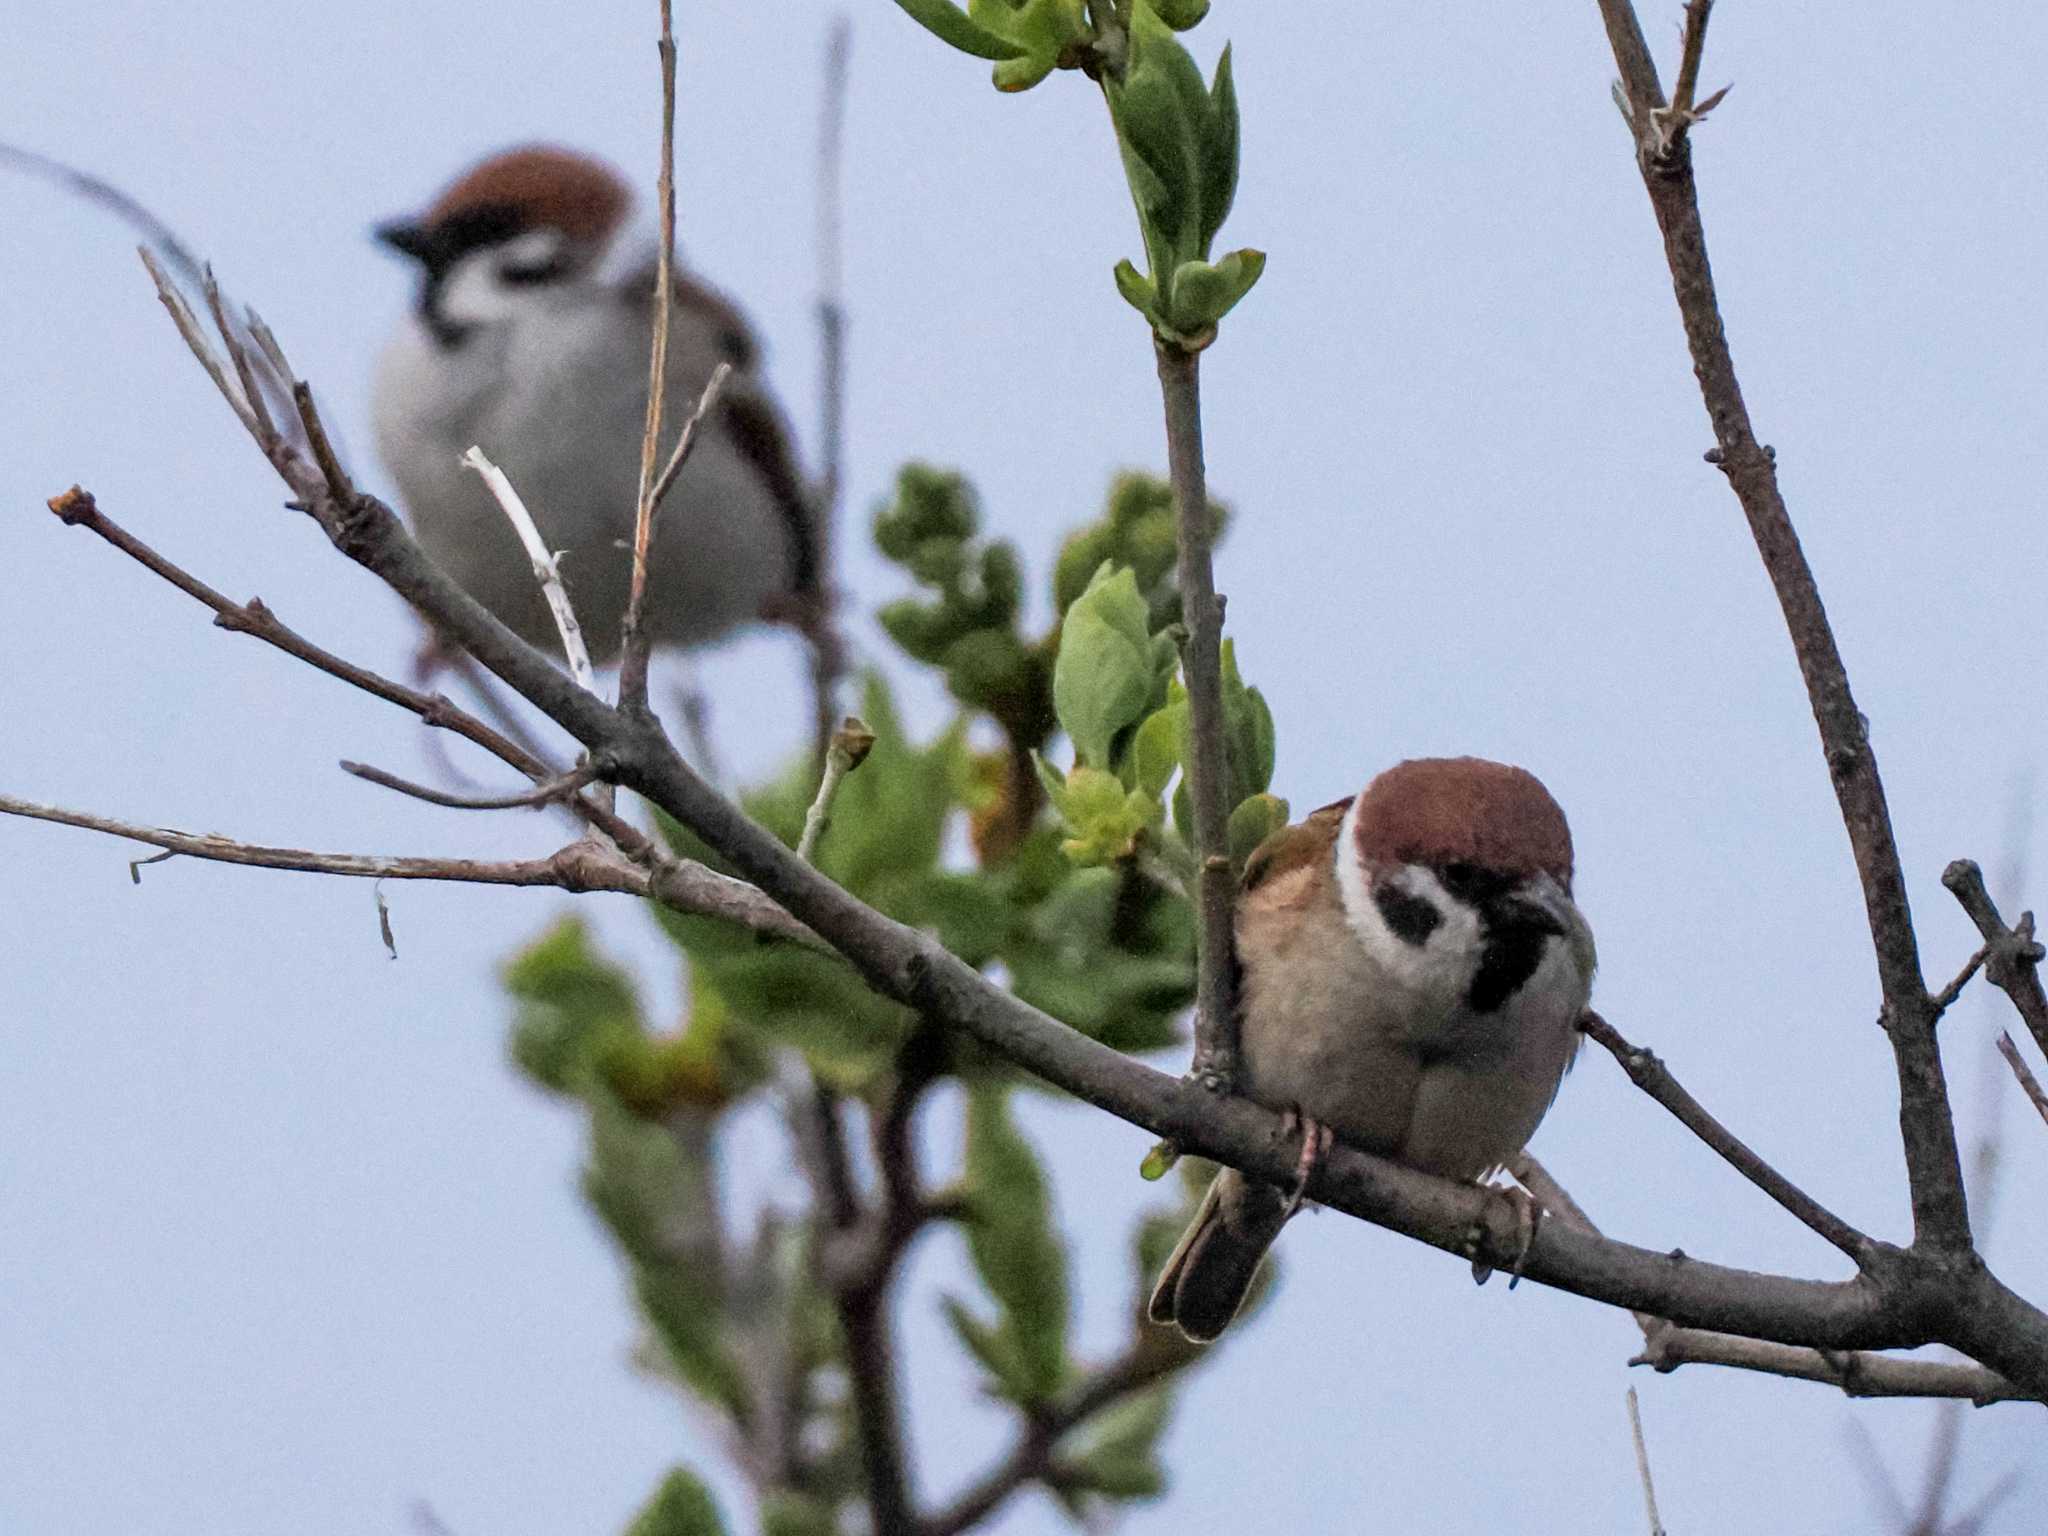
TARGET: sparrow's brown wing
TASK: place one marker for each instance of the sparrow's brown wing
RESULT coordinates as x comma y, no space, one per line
752,421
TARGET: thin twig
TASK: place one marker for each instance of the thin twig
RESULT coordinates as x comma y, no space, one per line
2013,965
680,454
1141,1365
1945,999
818,607
684,886
1635,1430
547,792
1654,1078
545,568
860,1292
849,749
832,266
78,508
1941,1215
1215,1060
2029,1084
635,643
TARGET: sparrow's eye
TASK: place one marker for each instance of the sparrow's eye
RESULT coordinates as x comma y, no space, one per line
524,272
1473,884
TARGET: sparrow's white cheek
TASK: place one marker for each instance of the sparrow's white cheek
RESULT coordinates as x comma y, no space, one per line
1435,971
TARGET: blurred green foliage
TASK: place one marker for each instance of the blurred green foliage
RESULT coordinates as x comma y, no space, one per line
1067,881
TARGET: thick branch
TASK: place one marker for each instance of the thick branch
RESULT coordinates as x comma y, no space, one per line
1215,1063
1941,1216
1650,1074
1856,1372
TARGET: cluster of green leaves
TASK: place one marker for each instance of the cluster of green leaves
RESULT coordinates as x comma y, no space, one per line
1073,909
1126,713
1178,136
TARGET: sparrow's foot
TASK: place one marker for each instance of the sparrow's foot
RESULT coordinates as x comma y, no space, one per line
1527,1217
1315,1146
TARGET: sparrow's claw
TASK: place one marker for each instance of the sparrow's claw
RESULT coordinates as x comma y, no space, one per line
1315,1146
1527,1216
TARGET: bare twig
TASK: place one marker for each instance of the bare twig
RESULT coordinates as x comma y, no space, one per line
680,454
1654,1078
547,792
78,508
1635,1430
1941,1216
1856,1373
2029,1084
635,644
860,1290
545,569
1945,999
1215,1060
1141,1365
681,885
832,266
2013,964
850,746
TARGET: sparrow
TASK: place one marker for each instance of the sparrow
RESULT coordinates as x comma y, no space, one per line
530,338
1412,972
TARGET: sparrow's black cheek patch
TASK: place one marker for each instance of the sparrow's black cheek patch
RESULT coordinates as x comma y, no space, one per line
1512,953
1413,918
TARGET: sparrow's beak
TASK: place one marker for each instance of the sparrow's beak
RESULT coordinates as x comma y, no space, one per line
1540,905
409,237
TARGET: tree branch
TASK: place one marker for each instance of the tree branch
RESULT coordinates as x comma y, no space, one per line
1138,1367
2012,957
1650,1074
1941,1218
1215,1060
1857,1373
635,644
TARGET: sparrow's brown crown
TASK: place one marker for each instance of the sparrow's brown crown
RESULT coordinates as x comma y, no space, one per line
1442,811
545,187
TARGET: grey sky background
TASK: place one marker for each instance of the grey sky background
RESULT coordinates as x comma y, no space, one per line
286,1244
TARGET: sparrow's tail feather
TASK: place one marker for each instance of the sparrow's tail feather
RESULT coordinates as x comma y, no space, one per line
1210,1272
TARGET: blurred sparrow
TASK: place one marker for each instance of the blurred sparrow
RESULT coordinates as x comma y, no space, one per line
1413,973
530,338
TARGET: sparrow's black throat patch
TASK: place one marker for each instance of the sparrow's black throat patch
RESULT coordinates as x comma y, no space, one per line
1516,931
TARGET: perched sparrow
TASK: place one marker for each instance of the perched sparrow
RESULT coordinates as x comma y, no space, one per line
531,339
1413,971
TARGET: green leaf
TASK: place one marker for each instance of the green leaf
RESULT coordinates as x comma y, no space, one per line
1121,1459
1156,749
1158,1162
1219,150
1105,671
1201,294
1104,820
1180,14
571,1006
653,1186
1139,291
1014,1244
950,25
992,1347
787,1513
682,1506
1251,823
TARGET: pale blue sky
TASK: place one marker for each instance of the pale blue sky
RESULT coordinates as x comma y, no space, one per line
287,1244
